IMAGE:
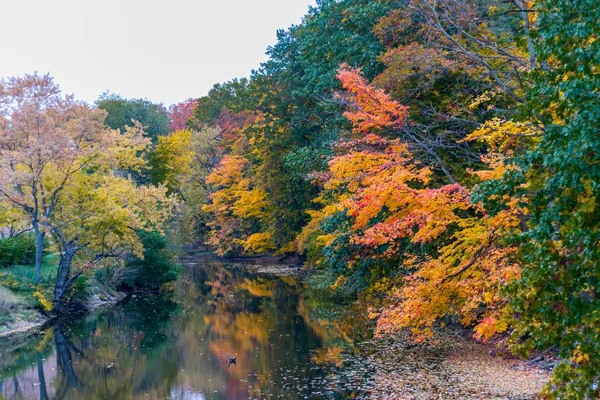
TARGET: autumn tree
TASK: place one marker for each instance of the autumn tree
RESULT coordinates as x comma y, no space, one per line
444,254
63,168
45,140
238,204
555,301
181,113
181,161
170,160
100,221
195,191
468,273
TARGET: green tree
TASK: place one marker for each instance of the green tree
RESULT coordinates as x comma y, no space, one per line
122,112
557,300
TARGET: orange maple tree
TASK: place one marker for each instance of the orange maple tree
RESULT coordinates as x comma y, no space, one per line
393,203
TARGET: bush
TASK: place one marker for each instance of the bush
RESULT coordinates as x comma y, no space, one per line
156,268
19,279
42,301
17,250
79,291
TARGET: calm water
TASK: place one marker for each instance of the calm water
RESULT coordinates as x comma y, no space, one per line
175,346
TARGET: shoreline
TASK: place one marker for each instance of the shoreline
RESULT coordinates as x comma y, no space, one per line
28,329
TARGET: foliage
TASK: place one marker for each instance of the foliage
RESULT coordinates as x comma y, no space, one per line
121,114
17,250
156,267
181,113
555,302
291,101
436,158
192,220
238,209
43,302
67,177
171,160
21,280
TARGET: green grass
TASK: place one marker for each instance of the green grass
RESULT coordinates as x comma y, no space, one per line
27,272
20,280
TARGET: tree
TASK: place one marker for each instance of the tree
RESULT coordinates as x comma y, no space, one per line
171,160
233,96
468,273
101,219
181,162
193,187
63,168
556,300
181,113
45,140
121,113
238,209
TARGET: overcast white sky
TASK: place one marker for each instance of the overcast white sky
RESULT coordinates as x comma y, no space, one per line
163,50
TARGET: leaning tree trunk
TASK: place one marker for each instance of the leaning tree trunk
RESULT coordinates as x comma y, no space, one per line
39,251
63,279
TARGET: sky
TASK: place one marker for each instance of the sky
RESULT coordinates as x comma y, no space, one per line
163,50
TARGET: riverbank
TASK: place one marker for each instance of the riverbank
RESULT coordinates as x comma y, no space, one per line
17,315
284,265
449,367
25,319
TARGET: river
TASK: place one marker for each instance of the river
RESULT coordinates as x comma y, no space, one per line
291,343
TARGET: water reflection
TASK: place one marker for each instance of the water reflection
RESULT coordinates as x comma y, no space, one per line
175,346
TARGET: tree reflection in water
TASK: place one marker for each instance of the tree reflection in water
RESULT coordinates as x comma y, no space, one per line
174,346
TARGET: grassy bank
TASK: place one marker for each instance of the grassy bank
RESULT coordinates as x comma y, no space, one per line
23,303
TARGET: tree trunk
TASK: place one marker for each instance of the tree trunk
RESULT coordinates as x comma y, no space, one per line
63,282
39,251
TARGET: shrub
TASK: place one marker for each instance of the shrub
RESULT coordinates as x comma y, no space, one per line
79,290
19,280
156,268
43,302
17,250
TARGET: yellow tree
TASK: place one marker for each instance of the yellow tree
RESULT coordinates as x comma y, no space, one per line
171,160
193,188
45,140
63,169
237,208
100,219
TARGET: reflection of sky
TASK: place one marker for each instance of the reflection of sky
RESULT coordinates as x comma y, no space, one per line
27,383
186,394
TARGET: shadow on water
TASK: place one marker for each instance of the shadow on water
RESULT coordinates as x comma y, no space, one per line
174,346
